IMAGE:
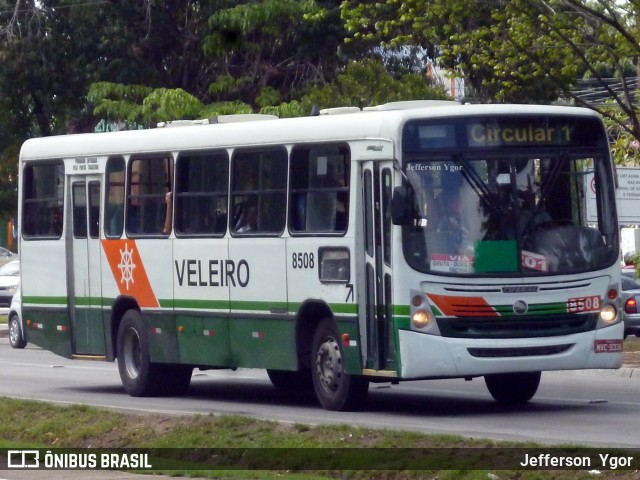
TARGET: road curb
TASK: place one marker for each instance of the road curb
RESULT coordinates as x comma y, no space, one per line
623,372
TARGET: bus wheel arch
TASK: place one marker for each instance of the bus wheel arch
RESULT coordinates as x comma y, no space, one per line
335,388
309,316
139,376
118,309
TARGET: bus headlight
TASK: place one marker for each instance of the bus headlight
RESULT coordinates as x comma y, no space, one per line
422,319
421,315
608,314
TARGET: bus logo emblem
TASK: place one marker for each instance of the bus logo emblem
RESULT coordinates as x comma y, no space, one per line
126,265
520,307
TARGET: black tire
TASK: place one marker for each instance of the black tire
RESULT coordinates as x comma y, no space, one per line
513,388
139,376
335,389
16,340
288,381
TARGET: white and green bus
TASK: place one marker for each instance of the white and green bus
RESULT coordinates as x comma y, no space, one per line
420,240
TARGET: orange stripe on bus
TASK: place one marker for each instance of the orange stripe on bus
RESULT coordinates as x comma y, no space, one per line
454,306
128,271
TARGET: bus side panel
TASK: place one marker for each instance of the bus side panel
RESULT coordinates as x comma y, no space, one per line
263,343
262,334
203,340
307,259
163,342
44,295
45,329
201,300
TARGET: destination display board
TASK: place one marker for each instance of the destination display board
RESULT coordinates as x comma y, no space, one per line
502,132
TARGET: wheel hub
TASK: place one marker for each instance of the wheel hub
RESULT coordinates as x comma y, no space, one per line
329,365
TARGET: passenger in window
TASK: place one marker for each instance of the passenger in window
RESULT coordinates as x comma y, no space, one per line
248,220
300,211
168,199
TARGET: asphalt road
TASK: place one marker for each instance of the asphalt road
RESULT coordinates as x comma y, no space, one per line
595,408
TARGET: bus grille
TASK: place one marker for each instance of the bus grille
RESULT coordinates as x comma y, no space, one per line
519,352
517,327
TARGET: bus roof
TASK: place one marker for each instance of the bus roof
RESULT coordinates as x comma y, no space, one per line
384,121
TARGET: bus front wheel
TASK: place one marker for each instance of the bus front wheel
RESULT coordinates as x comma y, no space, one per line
139,376
335,389
513,388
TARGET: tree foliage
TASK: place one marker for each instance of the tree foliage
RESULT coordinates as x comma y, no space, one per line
362,84
66,64
520,50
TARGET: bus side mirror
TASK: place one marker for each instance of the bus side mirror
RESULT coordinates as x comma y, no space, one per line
401,201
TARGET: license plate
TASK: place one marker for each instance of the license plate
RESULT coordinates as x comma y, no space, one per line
607,346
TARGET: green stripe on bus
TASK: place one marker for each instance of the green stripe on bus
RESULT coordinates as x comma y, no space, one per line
249,305
344,308
44,300
534,309
88,302
401,309
402,323
196,304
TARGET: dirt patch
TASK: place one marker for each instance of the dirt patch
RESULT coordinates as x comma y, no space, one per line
631,359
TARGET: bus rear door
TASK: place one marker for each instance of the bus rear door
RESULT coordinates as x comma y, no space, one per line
85,289
377,180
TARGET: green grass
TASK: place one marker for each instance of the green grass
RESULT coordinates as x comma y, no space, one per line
30,424
632,344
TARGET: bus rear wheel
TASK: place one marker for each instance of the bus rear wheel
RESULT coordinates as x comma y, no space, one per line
139,376
335,389
513,388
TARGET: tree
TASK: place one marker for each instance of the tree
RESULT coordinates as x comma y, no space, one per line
362,84
268,51
488,42
51,51
519,50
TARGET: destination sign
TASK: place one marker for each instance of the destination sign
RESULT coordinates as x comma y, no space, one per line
502,132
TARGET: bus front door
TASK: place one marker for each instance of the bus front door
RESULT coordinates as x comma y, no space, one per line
85,289
377,180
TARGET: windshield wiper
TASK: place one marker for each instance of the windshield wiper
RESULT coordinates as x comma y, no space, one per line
479,187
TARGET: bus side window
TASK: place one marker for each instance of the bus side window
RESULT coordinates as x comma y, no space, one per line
259,191
319,189
43,200
149,182
201,192
114,201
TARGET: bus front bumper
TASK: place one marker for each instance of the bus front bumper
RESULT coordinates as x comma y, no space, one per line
429,356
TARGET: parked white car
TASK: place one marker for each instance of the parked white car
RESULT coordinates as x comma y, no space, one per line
9,279
6,256
17,337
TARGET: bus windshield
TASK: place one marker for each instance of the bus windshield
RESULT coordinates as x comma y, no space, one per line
509,214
